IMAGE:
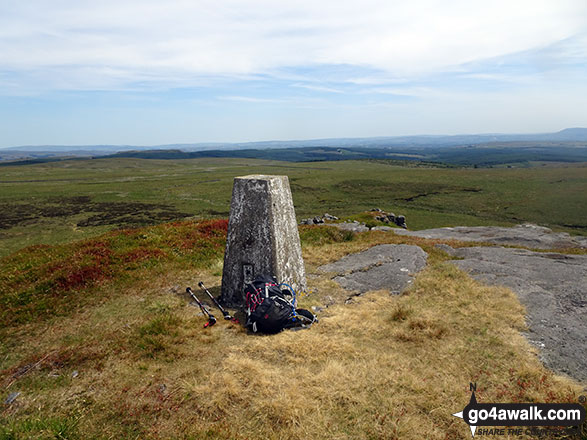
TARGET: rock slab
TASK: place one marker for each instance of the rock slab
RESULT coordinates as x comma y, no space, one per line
262,236
552,287
528,235
385,266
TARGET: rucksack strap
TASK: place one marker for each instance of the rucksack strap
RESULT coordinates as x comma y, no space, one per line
293,292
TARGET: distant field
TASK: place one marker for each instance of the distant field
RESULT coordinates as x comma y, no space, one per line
62,201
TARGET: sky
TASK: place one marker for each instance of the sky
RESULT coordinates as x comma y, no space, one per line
143,72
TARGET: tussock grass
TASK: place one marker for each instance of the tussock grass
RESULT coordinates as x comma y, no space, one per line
381,367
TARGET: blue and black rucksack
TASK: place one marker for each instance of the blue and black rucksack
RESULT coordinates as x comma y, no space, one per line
270,309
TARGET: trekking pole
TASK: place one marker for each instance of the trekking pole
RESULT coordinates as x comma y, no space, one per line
224,312
205,311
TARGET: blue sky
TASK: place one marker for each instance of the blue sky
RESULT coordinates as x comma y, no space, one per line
145,72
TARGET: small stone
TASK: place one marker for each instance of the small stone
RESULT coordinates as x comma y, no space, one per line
11,398
163,390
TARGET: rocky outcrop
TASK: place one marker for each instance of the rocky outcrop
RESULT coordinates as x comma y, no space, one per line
550,285
390,217
386,266
552,288
527,235
350,226
318,220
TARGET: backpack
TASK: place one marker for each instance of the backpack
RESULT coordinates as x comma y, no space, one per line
268,308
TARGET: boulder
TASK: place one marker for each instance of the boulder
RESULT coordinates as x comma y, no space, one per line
400,220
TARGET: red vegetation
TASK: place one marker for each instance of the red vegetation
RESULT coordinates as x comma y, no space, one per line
213,227
81,277
139,255
39,281
89,264
195,237
94,248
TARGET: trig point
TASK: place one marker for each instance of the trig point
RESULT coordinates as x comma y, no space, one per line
262,236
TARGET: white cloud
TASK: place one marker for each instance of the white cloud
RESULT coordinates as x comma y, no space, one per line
108,44
317,88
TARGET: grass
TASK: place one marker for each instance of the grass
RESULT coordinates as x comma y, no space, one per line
43,281
41,428
71,200
136,362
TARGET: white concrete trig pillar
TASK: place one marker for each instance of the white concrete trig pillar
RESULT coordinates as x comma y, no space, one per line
262,236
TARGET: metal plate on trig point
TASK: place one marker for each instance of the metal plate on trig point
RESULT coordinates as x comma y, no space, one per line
248,273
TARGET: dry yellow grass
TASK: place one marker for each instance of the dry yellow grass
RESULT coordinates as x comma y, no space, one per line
380,367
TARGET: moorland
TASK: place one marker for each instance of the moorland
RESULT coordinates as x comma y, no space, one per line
61,201
98,339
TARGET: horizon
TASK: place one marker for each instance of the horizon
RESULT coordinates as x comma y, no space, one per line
220,143
143,73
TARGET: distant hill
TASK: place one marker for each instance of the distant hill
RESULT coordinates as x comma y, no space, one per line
429,145
481,155
569,134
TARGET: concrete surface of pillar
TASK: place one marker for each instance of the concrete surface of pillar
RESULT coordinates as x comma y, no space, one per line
262,236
